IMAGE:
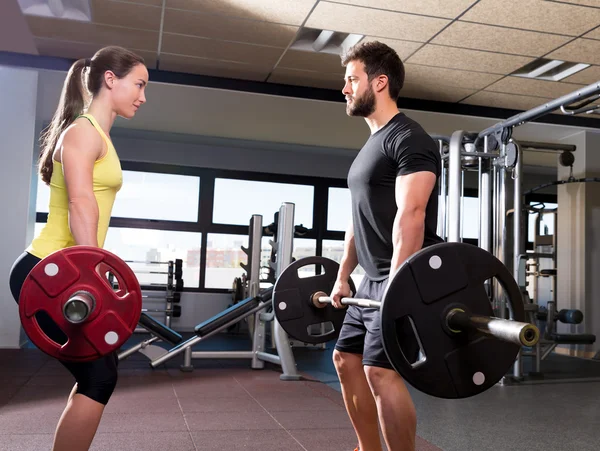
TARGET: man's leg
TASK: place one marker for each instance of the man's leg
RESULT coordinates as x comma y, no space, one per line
395,408
358,399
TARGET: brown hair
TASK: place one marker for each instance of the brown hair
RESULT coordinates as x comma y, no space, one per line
379,59
118,60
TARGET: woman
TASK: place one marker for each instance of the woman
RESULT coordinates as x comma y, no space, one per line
80,164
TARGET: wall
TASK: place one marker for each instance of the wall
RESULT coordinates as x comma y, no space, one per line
578,250
18,91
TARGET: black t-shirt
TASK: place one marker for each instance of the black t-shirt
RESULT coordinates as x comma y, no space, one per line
401,147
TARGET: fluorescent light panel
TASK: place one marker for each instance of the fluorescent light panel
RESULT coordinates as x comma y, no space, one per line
551,70
325,41
80,10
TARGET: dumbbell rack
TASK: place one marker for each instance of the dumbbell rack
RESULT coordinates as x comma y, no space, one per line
173,289
147,324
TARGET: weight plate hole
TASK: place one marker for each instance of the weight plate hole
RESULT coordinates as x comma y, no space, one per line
435,262
307,271
409,341
478,378
282,306
320,329
50,328
51,269
111,337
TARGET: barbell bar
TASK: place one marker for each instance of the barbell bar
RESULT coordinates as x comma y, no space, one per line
457,320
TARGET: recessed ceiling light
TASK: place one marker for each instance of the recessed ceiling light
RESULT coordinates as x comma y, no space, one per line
325,41
552,70
59,9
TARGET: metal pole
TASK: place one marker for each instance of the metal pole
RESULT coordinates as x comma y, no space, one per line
485,201
285,234
454,186
442,211
518,119
517,221
255,240
501,237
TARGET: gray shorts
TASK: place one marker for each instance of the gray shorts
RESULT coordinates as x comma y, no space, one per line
361,333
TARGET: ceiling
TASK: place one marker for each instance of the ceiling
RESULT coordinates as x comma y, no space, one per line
457,51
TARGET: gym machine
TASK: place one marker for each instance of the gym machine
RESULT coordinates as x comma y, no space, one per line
258,300
499,159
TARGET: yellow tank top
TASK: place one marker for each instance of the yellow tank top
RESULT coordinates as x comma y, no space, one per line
107,179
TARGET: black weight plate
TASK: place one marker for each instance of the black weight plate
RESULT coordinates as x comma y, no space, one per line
292,300
425,286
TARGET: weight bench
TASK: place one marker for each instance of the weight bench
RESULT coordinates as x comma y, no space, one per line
573,339
159,332
217,323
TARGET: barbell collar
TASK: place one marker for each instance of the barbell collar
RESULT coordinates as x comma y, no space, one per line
79,307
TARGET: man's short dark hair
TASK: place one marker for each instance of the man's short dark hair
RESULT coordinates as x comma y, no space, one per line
379,59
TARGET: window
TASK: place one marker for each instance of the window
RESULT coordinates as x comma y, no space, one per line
159,246
304,247
339,209
334,250
158,196
470,217
148,195
223,257
43,197
235,201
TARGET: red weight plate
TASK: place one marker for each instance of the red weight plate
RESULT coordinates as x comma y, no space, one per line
115,314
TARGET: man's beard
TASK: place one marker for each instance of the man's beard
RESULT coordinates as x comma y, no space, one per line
362,106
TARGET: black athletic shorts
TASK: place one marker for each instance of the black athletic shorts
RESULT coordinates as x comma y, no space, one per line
96,379
361,333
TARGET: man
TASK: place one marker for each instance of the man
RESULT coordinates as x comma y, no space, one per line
393,186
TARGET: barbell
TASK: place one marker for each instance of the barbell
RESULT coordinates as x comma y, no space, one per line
439,296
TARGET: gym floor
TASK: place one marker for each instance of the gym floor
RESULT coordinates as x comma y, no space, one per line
225,405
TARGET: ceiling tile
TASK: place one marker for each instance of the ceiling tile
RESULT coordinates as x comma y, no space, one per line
536,15
435,92
501,100
228,29
291,12
220,50
403,48
14,32
594,34
214,68
586,76
429,75
579,51
77,50
499,39
437,8
465,59
318,62
129,15
71,30
538,88
372,22
307,78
